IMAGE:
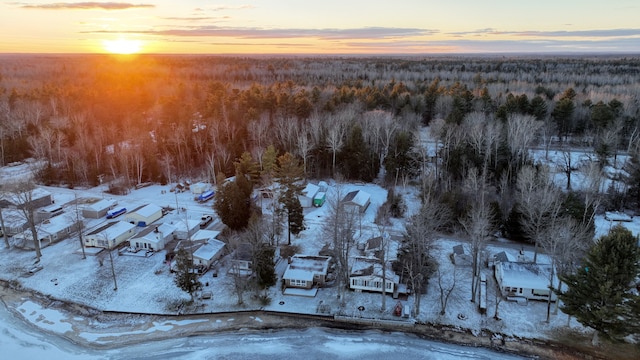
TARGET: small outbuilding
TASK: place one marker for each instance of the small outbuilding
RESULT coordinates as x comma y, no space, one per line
144,215
356,201
308,194
319,199
110,235
98,209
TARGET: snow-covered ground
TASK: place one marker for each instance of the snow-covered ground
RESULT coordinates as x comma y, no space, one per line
145,285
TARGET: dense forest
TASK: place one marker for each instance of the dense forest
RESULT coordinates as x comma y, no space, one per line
91,119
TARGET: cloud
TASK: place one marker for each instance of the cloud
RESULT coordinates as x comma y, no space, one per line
87,6
326,34
596,33
229,7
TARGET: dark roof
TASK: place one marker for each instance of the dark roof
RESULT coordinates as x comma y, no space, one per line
102,228
458,250
350,195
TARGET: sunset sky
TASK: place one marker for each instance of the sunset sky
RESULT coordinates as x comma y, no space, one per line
321,27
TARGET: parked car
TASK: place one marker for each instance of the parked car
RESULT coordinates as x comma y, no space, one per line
205,220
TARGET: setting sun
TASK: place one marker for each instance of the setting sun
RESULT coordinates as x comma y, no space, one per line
122,46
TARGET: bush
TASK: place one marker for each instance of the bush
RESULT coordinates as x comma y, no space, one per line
287,251
264,300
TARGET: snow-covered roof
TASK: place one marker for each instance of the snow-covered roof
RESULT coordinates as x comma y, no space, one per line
310,190
205,235
149,233
372,268
181,225
100,205
113,229
13,217
525,275
55,224
147,210
209,250
303,267
357,197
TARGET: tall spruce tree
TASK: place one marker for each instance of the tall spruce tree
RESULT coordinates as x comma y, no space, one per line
186,279
289,174
600,293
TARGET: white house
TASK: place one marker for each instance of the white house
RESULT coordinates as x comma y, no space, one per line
153,238
366,274
98,209
307,195
208,253
144,215
304,271
49,231
524,280
110,235
356,201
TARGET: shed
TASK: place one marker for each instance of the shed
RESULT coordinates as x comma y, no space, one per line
356,201
198,188
153,238
98,209
308,194
144,215
459,257
319,199
110,235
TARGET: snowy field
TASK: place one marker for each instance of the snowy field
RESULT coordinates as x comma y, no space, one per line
145,285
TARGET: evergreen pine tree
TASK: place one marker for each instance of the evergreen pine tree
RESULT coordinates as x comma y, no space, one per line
289,174
232,205
599,292
186,279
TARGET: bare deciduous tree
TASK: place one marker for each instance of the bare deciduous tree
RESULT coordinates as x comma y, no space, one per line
446,285
340,228
538,197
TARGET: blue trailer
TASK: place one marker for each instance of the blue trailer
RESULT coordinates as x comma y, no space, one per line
206,196
115,213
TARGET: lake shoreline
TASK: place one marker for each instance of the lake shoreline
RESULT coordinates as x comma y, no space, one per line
106,328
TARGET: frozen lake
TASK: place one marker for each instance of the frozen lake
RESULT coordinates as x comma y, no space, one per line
20,340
